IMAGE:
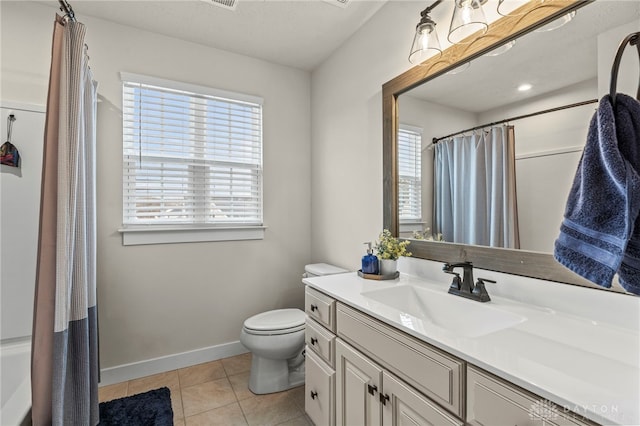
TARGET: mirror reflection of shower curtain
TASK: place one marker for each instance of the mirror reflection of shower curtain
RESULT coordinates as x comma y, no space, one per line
475,189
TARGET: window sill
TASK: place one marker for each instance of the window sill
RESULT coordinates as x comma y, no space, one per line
133,236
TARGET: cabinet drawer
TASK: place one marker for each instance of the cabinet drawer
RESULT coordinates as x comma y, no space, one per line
431,371
319,400
493,402
320,307
320,341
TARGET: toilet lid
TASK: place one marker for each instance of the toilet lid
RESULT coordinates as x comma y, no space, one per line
279,319
319,269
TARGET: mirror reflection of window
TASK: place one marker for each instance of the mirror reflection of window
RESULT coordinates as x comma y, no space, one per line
410,178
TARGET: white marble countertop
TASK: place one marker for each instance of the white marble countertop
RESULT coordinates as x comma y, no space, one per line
589,364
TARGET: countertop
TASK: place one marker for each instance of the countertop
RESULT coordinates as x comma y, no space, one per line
582,363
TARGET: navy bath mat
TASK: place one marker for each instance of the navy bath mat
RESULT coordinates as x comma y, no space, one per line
151,408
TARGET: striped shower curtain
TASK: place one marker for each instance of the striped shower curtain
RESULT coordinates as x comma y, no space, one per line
64,357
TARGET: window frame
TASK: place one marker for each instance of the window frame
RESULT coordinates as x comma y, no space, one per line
141,234
411,224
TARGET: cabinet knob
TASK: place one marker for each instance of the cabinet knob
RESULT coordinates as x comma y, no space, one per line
372,389
314,394
384,398
314,308
314,340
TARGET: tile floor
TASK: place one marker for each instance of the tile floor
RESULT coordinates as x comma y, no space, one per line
217,393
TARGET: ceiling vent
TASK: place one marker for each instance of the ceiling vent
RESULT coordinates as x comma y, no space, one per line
339,3
226,4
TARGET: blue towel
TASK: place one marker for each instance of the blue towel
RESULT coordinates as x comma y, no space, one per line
600,233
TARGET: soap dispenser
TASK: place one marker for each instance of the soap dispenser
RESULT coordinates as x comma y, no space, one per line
369,262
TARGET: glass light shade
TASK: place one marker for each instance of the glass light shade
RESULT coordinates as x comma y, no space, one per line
502,49
459,69
554,25
425,43
468,18
510,7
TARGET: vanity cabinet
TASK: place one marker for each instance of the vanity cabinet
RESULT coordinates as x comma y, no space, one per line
361,371
320,372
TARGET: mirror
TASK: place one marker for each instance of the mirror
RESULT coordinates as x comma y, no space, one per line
562,66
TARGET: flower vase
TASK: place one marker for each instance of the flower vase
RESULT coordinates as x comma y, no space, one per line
388,266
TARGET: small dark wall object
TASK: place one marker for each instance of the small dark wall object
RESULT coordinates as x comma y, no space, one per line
9,155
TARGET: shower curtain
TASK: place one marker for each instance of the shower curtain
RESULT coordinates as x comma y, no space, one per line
475,189
64,363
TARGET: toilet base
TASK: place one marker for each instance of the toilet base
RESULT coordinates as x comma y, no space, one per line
274,375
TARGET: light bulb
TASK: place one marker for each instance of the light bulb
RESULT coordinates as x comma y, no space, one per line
424,40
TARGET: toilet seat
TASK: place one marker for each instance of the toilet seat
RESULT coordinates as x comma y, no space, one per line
279,321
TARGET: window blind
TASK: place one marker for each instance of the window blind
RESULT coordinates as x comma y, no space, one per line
409,172
190,157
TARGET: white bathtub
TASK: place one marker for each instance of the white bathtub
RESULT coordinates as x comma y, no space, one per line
15,378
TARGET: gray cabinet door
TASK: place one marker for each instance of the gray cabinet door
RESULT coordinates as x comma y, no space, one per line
358,381
319,396
405,406
494,402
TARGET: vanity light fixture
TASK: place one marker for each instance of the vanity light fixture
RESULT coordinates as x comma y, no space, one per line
468,18
425,42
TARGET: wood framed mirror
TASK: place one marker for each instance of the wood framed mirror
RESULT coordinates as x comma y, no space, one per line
530,17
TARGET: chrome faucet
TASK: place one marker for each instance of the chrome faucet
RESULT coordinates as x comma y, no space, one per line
464,287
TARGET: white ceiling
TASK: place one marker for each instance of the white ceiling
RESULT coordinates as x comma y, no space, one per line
296,33
548,60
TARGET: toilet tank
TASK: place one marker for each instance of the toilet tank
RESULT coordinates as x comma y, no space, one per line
319,269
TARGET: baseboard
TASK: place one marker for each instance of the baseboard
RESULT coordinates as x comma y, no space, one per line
135,370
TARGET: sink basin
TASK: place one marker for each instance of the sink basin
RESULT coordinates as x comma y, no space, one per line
452,313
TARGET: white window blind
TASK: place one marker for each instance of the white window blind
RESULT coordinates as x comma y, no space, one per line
191,155
409,168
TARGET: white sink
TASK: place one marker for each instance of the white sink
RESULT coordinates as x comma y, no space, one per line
453,313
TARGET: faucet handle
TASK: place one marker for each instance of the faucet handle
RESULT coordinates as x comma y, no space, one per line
457,282
480,291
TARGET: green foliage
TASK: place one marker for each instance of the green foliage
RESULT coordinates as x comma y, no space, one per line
389,247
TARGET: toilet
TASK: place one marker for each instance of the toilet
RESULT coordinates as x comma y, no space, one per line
276,341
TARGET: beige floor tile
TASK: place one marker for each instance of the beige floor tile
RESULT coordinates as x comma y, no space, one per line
229,415
178,422
240,385
272,409
237,364
201,373
298,394
176,405
207,396
111,392
298,421
144,384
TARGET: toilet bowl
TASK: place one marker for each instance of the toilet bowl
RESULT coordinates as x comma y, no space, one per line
276,341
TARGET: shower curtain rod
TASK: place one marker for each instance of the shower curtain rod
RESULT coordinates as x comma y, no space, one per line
506,120
67,9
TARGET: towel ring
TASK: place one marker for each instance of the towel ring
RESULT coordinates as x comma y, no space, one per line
632,39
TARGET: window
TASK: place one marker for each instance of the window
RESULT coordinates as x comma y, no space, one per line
409,171
192,162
